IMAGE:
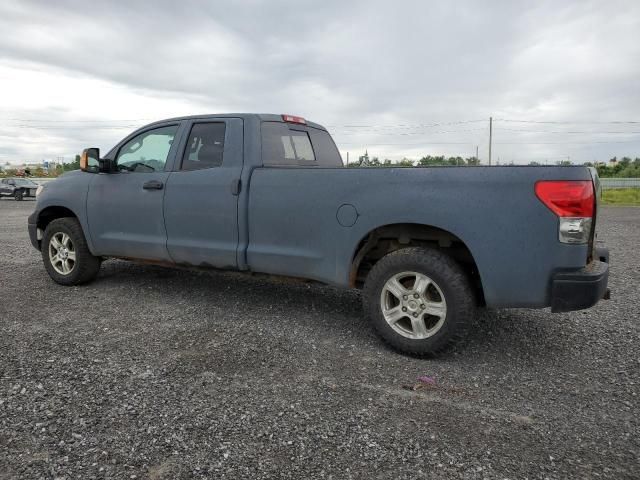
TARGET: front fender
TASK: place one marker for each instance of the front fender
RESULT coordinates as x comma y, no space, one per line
63,197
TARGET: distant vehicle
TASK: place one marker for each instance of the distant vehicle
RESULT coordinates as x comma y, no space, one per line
268,194
18,188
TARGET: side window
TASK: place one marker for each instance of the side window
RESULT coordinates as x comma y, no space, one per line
282,145
148,151
205,146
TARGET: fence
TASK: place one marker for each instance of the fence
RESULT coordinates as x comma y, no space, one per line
609,183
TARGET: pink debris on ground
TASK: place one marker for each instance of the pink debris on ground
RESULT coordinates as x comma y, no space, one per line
427,379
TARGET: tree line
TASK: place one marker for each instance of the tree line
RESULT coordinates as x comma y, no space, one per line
40,172
623,168
427,161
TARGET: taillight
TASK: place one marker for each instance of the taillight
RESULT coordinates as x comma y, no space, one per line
573,202
567,198
294,119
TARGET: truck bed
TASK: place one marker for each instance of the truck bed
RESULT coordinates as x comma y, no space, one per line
511,235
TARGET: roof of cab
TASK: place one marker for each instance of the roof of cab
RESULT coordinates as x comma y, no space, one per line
263,117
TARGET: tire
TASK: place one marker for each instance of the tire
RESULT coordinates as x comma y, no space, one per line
19,195
81,265
427,321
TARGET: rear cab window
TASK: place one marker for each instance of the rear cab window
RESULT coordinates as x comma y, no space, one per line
298,145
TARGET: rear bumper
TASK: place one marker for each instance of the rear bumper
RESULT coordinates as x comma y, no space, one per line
580,289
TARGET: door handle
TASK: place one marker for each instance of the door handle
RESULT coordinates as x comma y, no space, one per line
153,185
236,185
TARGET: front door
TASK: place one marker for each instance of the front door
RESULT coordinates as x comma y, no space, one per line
201,198
125,208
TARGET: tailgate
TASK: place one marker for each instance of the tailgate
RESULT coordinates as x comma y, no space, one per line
597,188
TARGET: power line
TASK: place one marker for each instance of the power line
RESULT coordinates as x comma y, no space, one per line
76,121
410,133
72,127
399,125
509,120
408,125
565,132
567,122
425,143
563,143
407,144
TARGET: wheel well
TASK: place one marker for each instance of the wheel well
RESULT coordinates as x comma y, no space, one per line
383,240
52,213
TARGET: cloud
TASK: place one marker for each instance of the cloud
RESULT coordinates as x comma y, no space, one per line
390,66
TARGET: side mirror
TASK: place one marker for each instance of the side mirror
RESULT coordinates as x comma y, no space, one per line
90,160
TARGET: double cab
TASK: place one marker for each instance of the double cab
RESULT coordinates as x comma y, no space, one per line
269,194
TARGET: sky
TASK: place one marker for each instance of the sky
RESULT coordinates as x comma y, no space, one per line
561,79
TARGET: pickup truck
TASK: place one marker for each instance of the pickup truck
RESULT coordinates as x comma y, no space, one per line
269,194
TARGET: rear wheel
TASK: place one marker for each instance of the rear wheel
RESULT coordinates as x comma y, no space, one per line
419,300
19,195
65,254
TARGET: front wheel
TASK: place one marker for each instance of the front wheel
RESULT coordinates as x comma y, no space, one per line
66,256
419,300
19,195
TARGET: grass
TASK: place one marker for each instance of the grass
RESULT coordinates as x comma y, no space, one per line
621,196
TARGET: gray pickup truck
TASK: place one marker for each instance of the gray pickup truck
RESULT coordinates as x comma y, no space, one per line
269,194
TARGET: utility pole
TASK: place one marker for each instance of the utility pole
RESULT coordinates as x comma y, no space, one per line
477,160
490,137
347,159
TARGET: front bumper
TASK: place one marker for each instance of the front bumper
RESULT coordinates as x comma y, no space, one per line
580,289
26,192
33,230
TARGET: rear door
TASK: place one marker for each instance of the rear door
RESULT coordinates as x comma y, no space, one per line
201,199
294,202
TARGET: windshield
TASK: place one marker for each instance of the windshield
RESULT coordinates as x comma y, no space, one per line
25,182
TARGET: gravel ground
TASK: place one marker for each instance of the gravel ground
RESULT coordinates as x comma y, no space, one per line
158,373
